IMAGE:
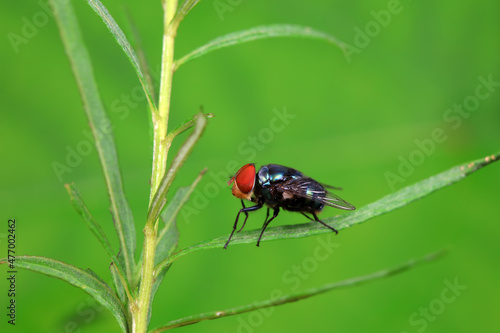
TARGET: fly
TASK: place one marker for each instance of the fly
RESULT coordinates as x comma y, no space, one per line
278,186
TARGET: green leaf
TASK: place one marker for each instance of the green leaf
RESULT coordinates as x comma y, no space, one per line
168,235
293,297
267,31
119,287
387,204
185,126
156,285
160,198
88,282
95,228
183,10
120,37
101,128
141,55
167,142
168,242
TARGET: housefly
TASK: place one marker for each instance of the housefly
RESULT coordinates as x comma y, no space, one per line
278,186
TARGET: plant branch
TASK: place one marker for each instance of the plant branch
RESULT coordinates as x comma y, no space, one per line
293,297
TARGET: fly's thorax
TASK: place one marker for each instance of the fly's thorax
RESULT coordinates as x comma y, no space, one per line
257,195
269,178
263,176
264,193
272,173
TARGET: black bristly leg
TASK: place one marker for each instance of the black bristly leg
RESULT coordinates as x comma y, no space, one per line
276,211
243,210
323,223
267,216
246,216
310,218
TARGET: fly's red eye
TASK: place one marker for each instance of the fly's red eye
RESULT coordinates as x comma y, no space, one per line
245,178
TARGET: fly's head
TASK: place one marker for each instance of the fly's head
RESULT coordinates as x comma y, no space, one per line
243,182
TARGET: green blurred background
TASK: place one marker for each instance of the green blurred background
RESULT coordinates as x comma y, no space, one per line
353,122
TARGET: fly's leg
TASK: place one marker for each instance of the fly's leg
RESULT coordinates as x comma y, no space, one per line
323,223
276,211
246,216
310,218
244,210
267,216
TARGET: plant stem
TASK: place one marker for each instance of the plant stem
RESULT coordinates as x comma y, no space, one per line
140,323
160,119
160,152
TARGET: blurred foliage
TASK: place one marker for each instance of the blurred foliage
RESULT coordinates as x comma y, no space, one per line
352,123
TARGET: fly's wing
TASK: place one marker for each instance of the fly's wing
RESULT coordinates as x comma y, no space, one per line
311,189
332,187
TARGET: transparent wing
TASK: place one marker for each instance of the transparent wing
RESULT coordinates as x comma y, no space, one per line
332,187
311,189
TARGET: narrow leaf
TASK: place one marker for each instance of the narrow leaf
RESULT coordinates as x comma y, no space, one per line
167,142
156,285
183,10
100,126
261,32
169,235
185,126
113,27
141,55
160,198
387,204
79,278
95,228
293,297
167,240
119,287
166,246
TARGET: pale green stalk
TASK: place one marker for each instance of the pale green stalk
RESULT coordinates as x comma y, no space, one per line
160,152
160,119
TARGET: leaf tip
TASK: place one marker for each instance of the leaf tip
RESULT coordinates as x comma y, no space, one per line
438,254
478,164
